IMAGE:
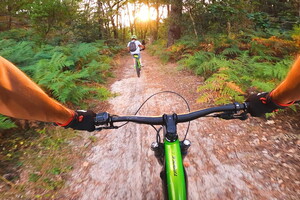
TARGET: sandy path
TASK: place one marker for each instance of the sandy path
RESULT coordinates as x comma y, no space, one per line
227,160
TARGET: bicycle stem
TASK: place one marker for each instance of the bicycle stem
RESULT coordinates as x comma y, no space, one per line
171,128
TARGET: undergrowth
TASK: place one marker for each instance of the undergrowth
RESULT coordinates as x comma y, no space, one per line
34,163
34,160
235,67
70,73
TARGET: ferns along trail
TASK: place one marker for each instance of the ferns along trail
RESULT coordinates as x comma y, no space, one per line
210,52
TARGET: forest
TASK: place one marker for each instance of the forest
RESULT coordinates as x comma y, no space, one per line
68,48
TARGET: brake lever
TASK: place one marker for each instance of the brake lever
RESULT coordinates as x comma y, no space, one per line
104,127
232,115
242,116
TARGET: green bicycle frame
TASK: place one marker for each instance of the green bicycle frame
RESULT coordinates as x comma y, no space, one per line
137,60
175,175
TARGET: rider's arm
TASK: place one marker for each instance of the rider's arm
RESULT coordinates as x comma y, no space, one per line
21,98
140,45
282,96
289,90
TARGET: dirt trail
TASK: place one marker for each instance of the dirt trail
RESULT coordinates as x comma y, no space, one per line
227,160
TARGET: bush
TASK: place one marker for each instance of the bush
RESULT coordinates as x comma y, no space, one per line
230,67
71,73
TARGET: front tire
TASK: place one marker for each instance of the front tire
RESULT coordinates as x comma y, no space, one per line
138,69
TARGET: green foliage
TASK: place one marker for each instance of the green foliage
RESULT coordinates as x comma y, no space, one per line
260,19
17,34
83,51
204,63
232,51
49,15
221,83
295,34
71,73
45,154
277,71
6,123
67,72
20,53
229,71
158,48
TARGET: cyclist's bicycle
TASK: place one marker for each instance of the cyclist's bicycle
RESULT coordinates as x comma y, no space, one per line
137,64
170,152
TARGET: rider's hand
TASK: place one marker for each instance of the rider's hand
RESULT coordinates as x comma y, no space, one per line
82,120
262,103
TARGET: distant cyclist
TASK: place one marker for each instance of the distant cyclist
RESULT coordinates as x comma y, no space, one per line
135,47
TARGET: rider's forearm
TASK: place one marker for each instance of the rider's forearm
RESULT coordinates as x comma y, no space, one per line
21,98
289,90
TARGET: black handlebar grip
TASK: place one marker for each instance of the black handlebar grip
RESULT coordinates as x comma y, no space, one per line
102,118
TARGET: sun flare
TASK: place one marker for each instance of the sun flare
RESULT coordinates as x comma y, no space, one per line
143,14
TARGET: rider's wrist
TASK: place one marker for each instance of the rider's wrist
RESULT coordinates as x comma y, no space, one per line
280,104
66,123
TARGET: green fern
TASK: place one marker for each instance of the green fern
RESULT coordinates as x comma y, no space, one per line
67,72
59,76
97,71
6,123
204,63
281,68
20,53
263,85
219,82
83,51
259,49
6,43
232,51
264,58
207,68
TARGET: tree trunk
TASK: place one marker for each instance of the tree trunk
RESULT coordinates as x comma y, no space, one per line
229,28
115,31
112,20
193,22
155,33
100,19
9,22
175,22
148,28
134,17
130,24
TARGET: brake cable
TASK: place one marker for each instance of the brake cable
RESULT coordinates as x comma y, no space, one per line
167,91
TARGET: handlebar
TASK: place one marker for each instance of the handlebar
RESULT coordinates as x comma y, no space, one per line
229,112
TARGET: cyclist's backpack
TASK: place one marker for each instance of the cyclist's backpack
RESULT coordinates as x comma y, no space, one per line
132,46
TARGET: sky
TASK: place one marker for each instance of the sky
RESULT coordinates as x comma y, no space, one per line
142,13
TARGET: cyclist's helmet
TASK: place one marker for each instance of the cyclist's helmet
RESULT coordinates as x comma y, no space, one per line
133,37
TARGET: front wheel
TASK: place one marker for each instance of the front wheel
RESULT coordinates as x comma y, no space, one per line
137,68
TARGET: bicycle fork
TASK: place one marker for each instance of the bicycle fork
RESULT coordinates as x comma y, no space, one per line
159,151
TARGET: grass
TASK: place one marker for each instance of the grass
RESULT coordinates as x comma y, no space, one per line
36,162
